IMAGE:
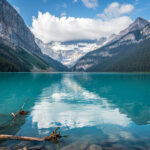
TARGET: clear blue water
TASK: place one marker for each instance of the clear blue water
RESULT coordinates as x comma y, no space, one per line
110,110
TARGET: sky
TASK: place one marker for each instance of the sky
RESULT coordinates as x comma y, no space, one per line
62,20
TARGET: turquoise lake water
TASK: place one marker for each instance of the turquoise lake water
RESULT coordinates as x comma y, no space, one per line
110,110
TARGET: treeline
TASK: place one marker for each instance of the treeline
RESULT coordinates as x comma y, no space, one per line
126,58
19,60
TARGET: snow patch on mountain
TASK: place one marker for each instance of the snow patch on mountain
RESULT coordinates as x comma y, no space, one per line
69,52
139,24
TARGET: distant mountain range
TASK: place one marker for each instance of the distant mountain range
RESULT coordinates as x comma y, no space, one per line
69,52
127,52
20,51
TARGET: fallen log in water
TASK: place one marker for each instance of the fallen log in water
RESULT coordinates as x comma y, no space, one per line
54,137
12,137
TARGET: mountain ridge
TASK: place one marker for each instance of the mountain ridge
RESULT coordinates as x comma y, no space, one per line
116,50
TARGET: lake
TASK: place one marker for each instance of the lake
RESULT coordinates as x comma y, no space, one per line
94,110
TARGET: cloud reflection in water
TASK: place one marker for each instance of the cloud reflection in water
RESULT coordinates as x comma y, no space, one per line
71,106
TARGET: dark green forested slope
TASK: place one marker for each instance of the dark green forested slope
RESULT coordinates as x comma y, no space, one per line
131,58
55,64
19,60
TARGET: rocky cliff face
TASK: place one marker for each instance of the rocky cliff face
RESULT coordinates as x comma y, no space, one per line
13,30
138,24
18,50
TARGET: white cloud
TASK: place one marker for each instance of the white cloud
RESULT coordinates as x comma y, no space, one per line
115,9
90,3
48,27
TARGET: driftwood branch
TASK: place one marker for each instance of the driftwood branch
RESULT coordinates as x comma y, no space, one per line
23,104
21,111
54,137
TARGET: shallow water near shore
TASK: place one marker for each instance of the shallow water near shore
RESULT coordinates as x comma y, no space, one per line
95,110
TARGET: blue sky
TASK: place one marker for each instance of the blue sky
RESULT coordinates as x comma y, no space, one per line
29,8
91,9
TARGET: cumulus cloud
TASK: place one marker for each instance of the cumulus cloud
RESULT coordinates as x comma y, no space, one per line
90,3
51,28
48,27
115,10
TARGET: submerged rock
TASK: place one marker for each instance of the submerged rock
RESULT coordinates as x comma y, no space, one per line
48,147
76,146
38,147
107,143
25,148
119,147
94,147
4,148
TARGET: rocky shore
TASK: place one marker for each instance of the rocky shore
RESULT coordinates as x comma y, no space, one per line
78,145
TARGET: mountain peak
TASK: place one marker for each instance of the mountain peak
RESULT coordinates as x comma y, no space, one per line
138,24
140,18
141,22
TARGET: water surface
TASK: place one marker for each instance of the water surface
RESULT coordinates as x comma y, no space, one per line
111,111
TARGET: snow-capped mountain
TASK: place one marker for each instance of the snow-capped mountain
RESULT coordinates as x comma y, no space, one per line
135,26
128,51
69,52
